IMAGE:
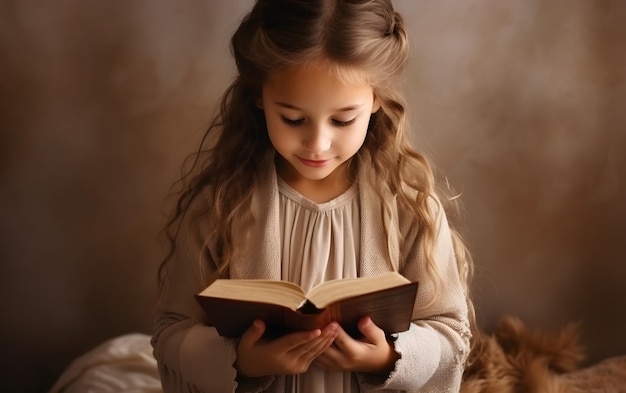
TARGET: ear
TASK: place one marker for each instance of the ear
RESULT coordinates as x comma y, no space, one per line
259,103
376,105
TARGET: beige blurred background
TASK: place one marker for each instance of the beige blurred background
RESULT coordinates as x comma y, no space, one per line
521,104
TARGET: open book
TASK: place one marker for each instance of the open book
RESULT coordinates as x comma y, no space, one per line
232,305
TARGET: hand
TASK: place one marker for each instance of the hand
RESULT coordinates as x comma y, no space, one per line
290,354
371,354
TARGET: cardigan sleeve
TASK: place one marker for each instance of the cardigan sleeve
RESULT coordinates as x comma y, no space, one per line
433,351
191,356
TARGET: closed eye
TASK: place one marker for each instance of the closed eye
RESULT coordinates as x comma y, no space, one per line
340,123
292,122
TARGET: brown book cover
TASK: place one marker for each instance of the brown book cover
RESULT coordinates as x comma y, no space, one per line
232,305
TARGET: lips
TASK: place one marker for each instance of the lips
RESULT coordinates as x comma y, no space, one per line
314,163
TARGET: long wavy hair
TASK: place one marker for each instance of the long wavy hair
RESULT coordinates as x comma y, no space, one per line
348,35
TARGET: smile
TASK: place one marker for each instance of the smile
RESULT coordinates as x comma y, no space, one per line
314,163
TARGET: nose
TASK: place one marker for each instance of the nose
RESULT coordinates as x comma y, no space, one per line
317,139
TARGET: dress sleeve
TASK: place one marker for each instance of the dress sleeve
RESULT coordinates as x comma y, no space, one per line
434,350
191,356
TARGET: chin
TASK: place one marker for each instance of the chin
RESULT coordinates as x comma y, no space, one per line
316,174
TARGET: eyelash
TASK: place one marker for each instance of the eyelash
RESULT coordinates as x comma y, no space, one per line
299,122
291,122
343,123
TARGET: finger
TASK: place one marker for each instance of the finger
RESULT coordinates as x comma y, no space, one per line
344,342
314,347
383,355
308,352
330,359
324,363
253,334
295,341
371,333
323,342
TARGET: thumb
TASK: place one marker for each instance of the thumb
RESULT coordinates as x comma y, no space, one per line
370,331
253,334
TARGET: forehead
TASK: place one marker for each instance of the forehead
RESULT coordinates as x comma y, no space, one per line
310,83
347,74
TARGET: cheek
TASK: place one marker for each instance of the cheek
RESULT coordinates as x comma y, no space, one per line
361,133
279,135
273,127
354,140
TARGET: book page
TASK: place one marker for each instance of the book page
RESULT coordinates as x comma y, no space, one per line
282,293
340,289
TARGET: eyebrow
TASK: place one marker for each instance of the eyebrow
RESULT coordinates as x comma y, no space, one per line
344,109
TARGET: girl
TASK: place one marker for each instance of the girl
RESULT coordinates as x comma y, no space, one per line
307,175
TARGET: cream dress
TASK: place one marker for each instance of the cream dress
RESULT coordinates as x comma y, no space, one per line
320,242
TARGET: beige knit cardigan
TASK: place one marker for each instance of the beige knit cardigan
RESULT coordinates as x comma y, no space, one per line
192,357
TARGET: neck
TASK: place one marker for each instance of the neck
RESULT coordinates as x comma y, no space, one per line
317,190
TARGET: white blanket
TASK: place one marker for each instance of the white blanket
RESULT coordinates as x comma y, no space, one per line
123,364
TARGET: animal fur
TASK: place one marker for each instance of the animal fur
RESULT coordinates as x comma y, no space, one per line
515,359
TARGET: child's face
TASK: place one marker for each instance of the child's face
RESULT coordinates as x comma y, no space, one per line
315,121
